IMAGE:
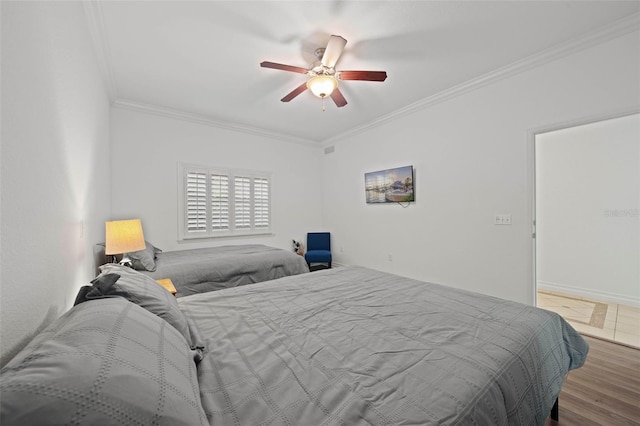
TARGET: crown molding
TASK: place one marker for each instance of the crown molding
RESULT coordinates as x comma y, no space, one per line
609,32
95,21
208,121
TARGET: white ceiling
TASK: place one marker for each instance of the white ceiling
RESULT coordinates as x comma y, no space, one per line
200,59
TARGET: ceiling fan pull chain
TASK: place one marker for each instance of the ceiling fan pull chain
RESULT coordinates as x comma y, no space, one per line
323,103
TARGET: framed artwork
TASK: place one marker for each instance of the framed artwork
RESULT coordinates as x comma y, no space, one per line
390,185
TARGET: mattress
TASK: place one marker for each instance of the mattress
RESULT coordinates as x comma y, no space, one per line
357,346
209,269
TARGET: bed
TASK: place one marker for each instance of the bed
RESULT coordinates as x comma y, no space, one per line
214,268
345,346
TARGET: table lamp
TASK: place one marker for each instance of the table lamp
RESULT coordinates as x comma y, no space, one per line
123,236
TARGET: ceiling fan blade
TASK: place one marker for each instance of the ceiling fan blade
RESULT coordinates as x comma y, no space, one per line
362,75
295,92
338,98
332,52
283,67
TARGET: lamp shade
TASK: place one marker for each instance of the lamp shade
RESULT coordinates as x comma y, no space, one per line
123,236
322,85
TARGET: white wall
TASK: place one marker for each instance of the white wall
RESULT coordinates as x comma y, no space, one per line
473,158
55,164
147,149
588,210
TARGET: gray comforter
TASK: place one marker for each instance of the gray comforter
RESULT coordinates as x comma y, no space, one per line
355,346
208,269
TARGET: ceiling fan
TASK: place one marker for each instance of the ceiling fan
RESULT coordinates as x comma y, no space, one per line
323,77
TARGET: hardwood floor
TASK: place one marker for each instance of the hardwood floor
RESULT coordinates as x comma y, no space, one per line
605,391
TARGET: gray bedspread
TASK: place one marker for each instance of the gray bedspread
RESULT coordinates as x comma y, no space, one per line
354,346
208,269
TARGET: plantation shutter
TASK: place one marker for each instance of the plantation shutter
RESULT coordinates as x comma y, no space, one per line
261,203
196,202
242,202
219,202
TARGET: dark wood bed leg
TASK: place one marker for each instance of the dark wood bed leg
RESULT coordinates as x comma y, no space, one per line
554,410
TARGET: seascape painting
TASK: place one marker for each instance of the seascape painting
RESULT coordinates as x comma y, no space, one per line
390,186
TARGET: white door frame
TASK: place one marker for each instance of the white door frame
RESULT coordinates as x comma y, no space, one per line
531,172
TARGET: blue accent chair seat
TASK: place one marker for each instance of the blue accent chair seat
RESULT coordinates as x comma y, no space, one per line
318,248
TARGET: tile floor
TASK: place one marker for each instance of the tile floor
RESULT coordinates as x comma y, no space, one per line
611,321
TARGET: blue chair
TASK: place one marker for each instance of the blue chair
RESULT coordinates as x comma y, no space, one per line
318,248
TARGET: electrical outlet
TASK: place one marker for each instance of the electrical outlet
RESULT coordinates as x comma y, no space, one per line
502,219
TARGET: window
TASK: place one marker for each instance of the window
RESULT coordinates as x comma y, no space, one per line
218,202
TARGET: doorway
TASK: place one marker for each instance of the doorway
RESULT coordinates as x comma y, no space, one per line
587,226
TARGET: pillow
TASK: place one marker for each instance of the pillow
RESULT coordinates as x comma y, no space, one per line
97,290
104,362
144,260
146,292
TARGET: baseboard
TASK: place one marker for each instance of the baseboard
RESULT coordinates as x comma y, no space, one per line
589,293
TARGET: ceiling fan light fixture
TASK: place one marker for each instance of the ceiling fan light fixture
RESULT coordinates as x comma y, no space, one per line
322,85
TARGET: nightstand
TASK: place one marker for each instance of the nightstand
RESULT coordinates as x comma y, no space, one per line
168,284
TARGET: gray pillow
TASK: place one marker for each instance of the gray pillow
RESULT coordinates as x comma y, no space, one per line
101,287
146,292
104,362
144,260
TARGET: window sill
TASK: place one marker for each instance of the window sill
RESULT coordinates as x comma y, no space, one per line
227,235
